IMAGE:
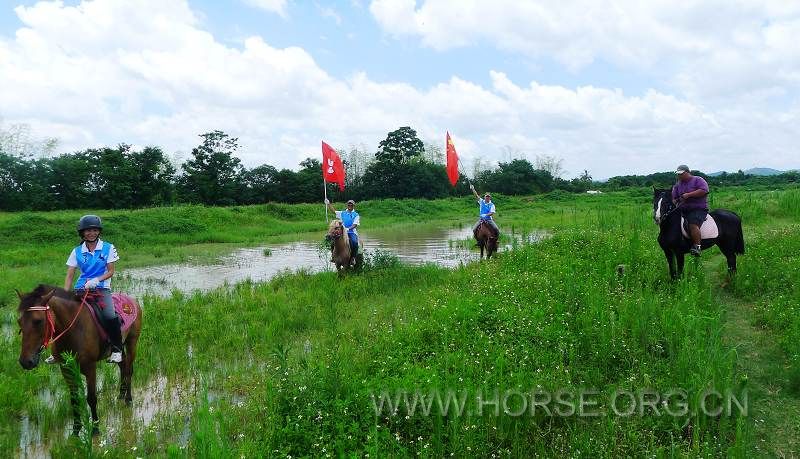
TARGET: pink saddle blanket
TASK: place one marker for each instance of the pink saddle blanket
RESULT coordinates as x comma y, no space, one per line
127,310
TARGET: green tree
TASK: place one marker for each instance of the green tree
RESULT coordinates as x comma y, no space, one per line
154,175
14,174
261,184
517,177
111,179
213,175
400,146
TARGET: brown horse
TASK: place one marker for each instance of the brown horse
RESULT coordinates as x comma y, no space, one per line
50,314
340,246
487,239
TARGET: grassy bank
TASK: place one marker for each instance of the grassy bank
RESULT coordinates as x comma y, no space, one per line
290,367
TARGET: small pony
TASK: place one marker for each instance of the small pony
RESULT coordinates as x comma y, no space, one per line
340,246
487,239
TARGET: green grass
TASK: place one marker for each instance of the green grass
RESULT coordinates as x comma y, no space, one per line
292,363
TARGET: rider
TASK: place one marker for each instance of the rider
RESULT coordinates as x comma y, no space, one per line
350,220
690,192
95,259
486,212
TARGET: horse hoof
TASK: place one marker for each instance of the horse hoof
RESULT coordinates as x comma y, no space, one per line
95,431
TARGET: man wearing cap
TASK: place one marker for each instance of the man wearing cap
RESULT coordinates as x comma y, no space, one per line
486,210
350,220
690,193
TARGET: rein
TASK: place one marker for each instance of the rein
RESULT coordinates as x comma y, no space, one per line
669,212
50,326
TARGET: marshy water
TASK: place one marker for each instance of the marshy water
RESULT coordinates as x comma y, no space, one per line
448,247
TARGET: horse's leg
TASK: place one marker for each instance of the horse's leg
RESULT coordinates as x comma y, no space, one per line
671,264
730,256
90,371
73,401
126,368
680,257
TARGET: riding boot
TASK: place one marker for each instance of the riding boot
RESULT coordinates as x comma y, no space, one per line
115,336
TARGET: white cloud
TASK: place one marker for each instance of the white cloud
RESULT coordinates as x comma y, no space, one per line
718,47
331,13
146,73
273,6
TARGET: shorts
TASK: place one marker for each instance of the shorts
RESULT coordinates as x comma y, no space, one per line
695,216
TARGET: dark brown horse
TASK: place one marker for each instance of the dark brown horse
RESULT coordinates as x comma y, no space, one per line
487,239
50,314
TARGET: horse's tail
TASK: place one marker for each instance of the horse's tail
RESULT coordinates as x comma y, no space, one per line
739,247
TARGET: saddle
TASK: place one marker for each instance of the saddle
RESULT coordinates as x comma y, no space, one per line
708,230
126,308
493,232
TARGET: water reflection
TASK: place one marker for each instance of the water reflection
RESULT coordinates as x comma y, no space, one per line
447,247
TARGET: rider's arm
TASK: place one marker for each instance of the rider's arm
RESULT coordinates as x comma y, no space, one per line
472,187
109,272
491,212
68,279
698,193
332,209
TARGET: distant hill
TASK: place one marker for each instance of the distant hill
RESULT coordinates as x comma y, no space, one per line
754,171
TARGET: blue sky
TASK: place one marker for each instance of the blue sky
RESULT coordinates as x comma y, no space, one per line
614,87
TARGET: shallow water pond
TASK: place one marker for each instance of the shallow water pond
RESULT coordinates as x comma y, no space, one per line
448,247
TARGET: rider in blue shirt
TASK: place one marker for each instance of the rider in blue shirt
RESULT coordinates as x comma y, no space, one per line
95,259
487,210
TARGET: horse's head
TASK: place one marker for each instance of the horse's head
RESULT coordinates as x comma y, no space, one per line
33,324
335,230
662,204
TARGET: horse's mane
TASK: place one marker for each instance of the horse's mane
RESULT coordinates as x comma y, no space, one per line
33,298
334,223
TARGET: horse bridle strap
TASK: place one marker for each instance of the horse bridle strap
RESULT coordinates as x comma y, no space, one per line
50,325
669,212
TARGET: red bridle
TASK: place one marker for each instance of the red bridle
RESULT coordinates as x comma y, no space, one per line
50,325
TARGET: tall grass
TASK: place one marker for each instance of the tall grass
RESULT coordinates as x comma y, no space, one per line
293,362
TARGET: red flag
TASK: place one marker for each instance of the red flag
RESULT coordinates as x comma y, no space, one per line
452,161
332,167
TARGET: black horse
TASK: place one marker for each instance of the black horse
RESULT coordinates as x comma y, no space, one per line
668,217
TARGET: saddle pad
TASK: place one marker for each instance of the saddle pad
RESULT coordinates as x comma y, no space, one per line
708,230
127,310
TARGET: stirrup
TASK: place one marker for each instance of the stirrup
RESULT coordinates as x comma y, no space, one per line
696,250
115,357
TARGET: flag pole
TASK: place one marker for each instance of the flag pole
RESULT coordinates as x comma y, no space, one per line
464,169
325,189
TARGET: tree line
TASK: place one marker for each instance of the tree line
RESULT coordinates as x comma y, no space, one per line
401,167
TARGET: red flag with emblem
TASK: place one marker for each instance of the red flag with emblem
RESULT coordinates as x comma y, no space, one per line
452,161
332,167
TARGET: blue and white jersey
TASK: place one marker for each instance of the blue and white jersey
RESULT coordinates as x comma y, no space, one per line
486,209
92,264
349,219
